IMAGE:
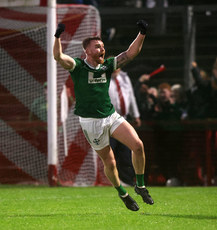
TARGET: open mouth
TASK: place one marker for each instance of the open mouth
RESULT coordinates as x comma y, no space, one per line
101,58
101,55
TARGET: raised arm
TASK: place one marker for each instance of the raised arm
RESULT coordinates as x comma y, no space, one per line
65,61
135,47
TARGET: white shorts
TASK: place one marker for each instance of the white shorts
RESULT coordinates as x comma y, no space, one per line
98,130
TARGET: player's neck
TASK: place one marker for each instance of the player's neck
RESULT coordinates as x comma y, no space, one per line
91,64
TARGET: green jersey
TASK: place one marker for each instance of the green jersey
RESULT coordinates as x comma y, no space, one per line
91,88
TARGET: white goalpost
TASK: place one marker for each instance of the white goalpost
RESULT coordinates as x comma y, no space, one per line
52,96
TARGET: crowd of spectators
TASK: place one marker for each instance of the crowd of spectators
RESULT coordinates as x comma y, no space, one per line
173,102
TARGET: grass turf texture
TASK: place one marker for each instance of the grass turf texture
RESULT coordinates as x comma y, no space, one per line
28,207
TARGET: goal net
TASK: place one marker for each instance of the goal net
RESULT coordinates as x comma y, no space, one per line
23,95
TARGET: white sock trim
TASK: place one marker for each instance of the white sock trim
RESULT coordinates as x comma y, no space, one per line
141,186
125,195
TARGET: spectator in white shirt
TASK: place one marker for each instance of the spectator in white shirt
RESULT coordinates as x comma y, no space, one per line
131,108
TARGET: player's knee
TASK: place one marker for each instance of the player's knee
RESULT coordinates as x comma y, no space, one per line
110,164
138,147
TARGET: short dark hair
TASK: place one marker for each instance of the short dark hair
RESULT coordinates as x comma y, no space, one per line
87,41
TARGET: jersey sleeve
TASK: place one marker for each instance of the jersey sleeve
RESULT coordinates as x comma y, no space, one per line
112,62
115,63
76,64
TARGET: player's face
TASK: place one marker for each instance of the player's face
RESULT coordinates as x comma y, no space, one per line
96,50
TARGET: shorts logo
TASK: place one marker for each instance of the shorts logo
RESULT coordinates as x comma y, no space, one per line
96,141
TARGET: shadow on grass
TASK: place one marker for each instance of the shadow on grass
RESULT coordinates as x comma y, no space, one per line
187,216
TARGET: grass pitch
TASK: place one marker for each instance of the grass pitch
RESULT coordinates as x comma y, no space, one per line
28,207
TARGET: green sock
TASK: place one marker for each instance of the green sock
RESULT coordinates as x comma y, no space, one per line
121,190
140,180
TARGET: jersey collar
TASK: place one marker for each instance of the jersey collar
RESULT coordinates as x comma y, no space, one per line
90,66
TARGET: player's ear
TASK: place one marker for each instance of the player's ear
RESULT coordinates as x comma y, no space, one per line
87,51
